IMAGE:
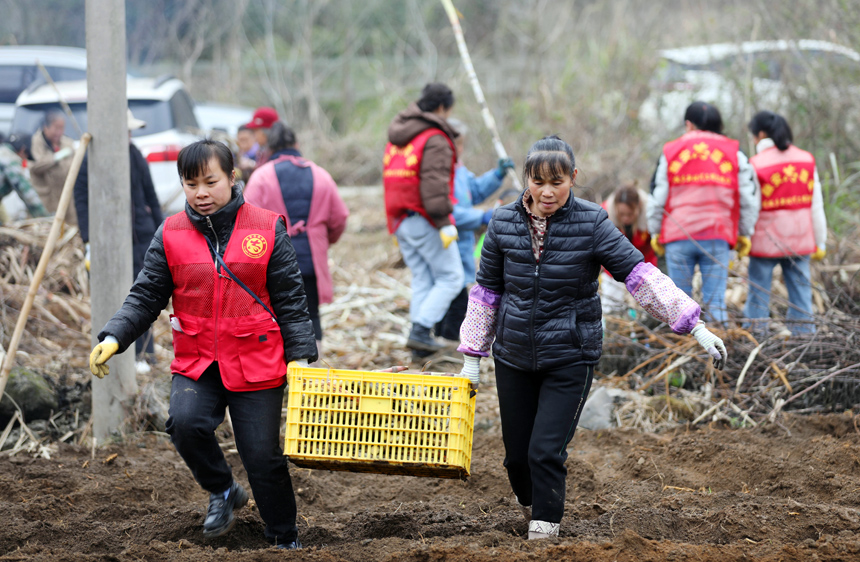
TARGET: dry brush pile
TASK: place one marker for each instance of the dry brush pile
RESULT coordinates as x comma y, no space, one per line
662,378
768,371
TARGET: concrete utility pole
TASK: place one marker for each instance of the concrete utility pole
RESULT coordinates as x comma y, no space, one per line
109,202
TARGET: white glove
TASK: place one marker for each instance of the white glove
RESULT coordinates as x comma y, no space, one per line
712,344
302,362
472,370
62,153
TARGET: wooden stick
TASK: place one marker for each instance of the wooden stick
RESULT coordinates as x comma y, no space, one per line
827,378
749,362
781,374
476,87
53,236
666,371
709,411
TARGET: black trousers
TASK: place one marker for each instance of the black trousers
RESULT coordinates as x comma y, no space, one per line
449,326
197,409
540,411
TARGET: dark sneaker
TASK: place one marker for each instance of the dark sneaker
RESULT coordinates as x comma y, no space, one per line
294,545
421,339
219,516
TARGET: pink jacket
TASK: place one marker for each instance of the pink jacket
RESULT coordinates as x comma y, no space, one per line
327,219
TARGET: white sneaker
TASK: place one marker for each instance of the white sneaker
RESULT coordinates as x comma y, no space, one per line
542,530
142,367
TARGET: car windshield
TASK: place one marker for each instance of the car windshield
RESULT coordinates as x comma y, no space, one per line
155,113
15,78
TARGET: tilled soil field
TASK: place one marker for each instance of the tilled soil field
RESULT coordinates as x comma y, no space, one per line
780,492
709,494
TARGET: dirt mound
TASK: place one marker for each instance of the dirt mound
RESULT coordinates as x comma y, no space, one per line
707,494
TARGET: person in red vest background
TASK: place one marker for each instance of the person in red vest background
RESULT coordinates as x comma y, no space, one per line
703,202
240,314
626,209
418,177
791,226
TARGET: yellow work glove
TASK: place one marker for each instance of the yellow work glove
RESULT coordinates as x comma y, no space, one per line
448,234
819,254
658,248
743,246
101,353
87,256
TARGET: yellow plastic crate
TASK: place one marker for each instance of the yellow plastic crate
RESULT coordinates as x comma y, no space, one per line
390,423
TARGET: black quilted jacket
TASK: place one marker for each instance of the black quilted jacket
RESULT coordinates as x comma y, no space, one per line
154,285
550,312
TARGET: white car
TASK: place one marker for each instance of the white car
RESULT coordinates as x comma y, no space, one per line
19,69
162,102
222,117
717,74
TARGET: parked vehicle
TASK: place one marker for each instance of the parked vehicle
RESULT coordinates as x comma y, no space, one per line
19,69
222,117
163,103
717,74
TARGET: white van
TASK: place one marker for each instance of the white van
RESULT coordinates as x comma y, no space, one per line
716,74
163,103
19,69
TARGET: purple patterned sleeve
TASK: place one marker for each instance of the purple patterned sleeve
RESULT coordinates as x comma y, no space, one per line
479,328
659,296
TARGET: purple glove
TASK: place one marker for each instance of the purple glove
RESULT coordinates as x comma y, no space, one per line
487,216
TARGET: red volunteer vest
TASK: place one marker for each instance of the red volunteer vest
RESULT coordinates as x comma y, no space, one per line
214,319
787,180
703,200
401,178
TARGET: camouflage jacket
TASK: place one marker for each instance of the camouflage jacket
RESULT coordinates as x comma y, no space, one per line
12,178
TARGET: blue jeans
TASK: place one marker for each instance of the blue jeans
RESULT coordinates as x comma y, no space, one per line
437,272
197,409
681,259
795,271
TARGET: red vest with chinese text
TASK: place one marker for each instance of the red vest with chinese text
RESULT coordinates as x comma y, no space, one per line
787,180
401,178
703,201
214,319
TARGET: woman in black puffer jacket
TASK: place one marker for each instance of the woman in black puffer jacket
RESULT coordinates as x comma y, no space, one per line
537,298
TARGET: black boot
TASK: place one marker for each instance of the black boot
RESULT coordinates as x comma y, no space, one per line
420,356
219,516
294,545
420,338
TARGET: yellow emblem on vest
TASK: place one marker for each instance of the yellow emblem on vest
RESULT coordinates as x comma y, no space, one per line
254,245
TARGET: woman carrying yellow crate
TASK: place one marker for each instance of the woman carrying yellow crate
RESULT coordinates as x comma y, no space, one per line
536,296
240,315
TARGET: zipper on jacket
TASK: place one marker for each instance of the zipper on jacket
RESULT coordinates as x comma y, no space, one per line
536,288
217,244
217,285
532,320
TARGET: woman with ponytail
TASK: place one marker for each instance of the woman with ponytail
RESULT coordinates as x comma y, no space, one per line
791,226
535,305
703,203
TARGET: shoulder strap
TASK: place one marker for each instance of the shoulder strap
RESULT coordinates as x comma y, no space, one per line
247,289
